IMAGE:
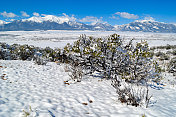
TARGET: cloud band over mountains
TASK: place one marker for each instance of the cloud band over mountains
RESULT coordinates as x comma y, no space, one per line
9,16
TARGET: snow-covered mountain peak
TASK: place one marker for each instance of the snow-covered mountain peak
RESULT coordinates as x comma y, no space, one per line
57,19
3,22
65,22
50,18
146,21
34,19
104,23
102,26
147,26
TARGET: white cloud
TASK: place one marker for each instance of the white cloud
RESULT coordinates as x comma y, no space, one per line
5,14
149,18
91,19
36,14
72,18
11,20
24,14
114,17
127,15
64,15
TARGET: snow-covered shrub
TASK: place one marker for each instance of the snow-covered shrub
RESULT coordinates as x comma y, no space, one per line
26,52
109,56
168,47
39,59
169,52
4,51
97,54
131,94
174,52
17,52
5,54
28,112
140,67
164,57
76,72
158,54
67,68
51,54
172,66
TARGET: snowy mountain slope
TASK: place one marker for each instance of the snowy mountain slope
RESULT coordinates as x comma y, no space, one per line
51,22
59,20
45,25
74,24
50,25
3,22
147,26
51,18
103,26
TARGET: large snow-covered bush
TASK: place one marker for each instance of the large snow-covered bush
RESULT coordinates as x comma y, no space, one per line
110,57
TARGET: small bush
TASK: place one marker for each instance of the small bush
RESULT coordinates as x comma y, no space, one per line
172,66
168,47
158,54
164,57
131,94
169,52
174,52
28,112
76,72
39,60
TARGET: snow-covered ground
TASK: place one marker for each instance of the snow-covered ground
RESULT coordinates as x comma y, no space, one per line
25,85
59,38
42,88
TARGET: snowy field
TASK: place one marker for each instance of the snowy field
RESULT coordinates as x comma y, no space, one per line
42,88
61,38
41,91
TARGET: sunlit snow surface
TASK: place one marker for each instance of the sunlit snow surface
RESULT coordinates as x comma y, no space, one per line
42,88
24,84
61,38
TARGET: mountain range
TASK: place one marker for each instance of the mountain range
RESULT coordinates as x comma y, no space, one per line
51,22
147,26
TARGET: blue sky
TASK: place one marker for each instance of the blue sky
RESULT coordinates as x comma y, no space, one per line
90,11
